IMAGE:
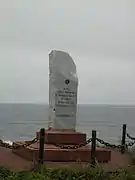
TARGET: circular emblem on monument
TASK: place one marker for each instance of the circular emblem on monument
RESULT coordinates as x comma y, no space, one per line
67,81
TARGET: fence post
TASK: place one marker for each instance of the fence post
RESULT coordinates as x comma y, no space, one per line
93,149
123,138
41,146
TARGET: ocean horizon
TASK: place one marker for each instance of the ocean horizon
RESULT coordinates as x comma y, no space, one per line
20,121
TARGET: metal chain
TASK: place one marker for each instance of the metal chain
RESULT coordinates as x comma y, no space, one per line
113,146
130,137
74,146
16,146
130,144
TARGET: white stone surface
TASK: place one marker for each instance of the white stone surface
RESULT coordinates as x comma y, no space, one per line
63,88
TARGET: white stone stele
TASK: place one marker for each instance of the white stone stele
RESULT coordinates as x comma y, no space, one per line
63,88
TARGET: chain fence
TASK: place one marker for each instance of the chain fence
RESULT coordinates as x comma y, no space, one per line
130,137
61,146
118,147
105,144
109,145
17,146
92,140
74,146
132,142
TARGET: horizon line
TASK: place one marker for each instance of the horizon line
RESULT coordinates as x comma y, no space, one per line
43,103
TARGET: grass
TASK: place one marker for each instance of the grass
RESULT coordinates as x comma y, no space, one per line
69,174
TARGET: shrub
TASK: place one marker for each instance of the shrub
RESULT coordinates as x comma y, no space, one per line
68,174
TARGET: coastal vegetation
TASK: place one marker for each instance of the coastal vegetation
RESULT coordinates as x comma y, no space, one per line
69,174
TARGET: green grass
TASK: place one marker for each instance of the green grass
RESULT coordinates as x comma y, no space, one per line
68,174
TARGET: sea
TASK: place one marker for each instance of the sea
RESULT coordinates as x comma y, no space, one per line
22,121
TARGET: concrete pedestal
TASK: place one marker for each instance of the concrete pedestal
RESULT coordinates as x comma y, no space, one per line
63,137
56,154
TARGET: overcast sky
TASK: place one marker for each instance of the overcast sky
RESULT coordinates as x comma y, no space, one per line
98,34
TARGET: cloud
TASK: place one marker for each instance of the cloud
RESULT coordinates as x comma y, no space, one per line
98,34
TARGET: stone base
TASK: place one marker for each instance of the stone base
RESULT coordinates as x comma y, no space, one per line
55,154
63,137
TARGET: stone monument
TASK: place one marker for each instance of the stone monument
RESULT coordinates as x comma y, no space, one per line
63,87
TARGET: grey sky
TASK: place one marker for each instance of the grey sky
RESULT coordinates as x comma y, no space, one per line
99,35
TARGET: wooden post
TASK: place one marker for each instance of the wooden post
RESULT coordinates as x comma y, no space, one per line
93,150
41,146
123,138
